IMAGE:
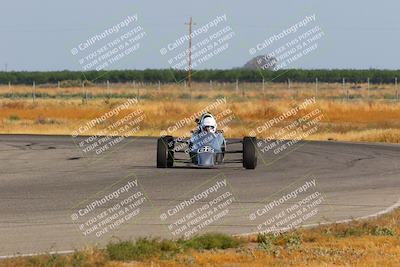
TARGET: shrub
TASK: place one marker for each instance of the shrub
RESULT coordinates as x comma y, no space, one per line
265,241
141,249
14,118
212,241
382,231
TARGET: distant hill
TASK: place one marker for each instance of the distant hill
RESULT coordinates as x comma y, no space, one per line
261,62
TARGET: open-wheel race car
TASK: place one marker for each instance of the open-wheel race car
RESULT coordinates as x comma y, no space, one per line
206,148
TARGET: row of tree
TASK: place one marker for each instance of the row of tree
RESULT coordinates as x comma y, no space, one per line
171,76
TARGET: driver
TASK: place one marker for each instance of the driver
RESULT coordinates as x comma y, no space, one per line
209,125
206,134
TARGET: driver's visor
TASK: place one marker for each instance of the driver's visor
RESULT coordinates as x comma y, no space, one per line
208,127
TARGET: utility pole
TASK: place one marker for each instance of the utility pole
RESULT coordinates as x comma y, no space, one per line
190,52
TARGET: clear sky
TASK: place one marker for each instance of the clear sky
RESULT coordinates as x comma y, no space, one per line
39,35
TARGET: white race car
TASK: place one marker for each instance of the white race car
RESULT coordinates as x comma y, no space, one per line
207,147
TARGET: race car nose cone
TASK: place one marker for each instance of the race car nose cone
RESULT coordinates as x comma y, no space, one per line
206,159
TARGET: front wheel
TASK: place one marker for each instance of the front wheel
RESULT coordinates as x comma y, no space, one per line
249,152
165,152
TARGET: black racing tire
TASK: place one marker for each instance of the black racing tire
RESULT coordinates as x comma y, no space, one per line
165,152
249,152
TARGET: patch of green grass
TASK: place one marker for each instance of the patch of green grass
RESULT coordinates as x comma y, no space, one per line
42,120
352,231
265,241
383,231
128,250
269,241
141,249
358,229
201,96
212,241
293,241
184,96
14,118
148,248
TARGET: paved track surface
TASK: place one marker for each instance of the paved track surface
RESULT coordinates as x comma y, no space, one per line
46,179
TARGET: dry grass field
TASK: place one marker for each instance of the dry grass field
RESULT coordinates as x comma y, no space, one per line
345,116
366,243
356,116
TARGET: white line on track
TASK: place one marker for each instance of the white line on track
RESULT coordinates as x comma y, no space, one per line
387,210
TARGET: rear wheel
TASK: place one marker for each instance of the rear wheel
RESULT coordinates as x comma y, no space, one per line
165,152
249,152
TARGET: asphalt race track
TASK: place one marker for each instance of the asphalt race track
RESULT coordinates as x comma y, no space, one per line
46,180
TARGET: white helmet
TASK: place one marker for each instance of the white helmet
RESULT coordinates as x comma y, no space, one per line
209,124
